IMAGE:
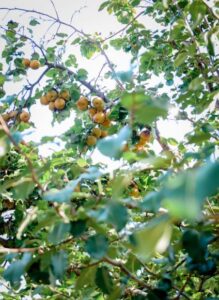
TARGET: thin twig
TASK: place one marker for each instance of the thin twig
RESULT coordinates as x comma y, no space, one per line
126,271
103,52
32,11
163,145
31,86
56,12
184,286
125,27
98,76
18,250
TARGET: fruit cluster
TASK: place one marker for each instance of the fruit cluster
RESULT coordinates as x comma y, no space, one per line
33,64
98,114
55,100
24,116
144,138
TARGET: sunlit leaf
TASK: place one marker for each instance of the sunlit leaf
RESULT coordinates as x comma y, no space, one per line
153,237
112,146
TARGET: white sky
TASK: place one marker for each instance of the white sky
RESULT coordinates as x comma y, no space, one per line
90,21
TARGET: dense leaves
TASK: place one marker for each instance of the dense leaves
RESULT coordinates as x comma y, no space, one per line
141,223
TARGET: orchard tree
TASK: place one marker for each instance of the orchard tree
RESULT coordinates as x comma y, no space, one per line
147,229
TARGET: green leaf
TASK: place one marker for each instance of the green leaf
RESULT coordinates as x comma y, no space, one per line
124,76
88,49
103,5
112,146
9,99
104,280
75,93
12,25
135,2
97,246
63,195
152,202
185,194
17,137
172,141
59,233
145,108
133,263
92,173
119,184
115,294
117,43
198,10
52,73
24,189
71,61
153,237
181,57
16,269
34,22
61,34
2,79
196,84
86,278
78,227
207,182
199,137
117,215
59,264
82,74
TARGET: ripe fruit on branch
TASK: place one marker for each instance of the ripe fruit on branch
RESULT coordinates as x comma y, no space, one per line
98,103
34,64
26,62
25,116
99,117
65,95
44,100
13,114
51,106
145,136
52,95
96,132
82,103
59,103
92,112
139,147
104,133
135,192
106,123
91,140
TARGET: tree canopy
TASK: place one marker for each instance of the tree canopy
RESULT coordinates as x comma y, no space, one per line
146,228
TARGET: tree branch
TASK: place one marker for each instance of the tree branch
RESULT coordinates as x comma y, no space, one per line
89,86
164,146
126,271
47,16
31,86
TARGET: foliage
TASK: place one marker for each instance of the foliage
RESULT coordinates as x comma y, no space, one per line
147,229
